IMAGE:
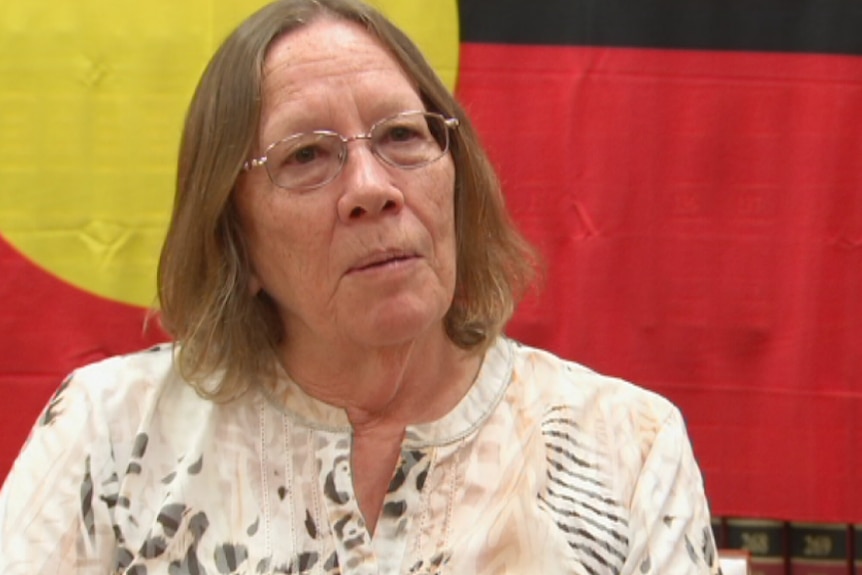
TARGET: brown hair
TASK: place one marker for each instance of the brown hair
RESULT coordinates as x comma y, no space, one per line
203,274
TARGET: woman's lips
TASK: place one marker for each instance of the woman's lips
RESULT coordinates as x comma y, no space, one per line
380,260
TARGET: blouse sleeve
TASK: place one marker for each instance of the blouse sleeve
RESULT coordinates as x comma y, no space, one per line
55,505
671,530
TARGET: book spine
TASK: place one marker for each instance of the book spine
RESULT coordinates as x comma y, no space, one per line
717,524
857,548
765,539
819,549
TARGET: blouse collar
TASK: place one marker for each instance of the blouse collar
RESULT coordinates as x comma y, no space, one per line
467,415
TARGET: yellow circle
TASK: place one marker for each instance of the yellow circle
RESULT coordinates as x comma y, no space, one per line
92,96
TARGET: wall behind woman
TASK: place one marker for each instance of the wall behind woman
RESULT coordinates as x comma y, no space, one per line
692,175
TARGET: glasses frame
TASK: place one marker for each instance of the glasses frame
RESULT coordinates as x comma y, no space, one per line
448,123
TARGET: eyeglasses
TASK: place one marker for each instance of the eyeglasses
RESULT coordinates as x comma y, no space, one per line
310,160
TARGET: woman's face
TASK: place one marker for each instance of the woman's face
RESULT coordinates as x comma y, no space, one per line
369,258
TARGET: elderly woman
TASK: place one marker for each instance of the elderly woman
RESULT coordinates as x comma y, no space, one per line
340,399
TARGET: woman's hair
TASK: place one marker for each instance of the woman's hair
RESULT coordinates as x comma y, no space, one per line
204,270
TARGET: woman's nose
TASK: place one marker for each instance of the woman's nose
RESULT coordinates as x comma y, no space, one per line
368,186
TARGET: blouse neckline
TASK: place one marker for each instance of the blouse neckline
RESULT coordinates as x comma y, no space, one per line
468,414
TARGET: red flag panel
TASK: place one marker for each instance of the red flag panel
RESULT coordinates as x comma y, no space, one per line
49,328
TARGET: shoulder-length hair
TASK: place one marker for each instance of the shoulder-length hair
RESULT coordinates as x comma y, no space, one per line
228,336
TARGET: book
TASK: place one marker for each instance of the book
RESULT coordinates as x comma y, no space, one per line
765,539
734,562
857,547
819,548
717,524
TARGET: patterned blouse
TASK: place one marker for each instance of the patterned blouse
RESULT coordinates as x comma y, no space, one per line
543,468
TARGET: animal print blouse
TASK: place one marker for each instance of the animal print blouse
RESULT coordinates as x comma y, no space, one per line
544,467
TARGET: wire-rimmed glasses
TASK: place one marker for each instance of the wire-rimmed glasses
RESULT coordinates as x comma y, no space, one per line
310,160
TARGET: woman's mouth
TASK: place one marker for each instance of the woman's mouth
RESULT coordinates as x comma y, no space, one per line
380,261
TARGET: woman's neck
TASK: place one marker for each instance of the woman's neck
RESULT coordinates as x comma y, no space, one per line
383,390
386,387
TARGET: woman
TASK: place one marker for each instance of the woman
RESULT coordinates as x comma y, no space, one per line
337,273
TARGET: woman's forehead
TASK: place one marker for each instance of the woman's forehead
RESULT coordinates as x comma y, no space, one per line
323,41
326,67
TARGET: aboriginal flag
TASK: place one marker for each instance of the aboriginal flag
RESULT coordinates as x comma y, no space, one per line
691,171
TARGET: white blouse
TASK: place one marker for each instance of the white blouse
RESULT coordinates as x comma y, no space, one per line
544,467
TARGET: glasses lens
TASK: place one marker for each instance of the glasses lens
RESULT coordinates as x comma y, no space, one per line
306,160
410,140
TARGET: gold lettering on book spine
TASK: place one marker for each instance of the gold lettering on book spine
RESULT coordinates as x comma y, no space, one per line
756,541
817,546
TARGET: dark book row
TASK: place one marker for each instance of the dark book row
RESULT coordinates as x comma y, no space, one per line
793,548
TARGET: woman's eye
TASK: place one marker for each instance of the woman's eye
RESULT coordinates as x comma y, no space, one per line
304,155
402,134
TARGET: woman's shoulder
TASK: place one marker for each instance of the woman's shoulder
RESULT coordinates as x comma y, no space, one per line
150,370
119,392
108,411
612,424
154,361
558,383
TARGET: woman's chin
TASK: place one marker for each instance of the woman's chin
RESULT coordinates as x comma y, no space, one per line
397,325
